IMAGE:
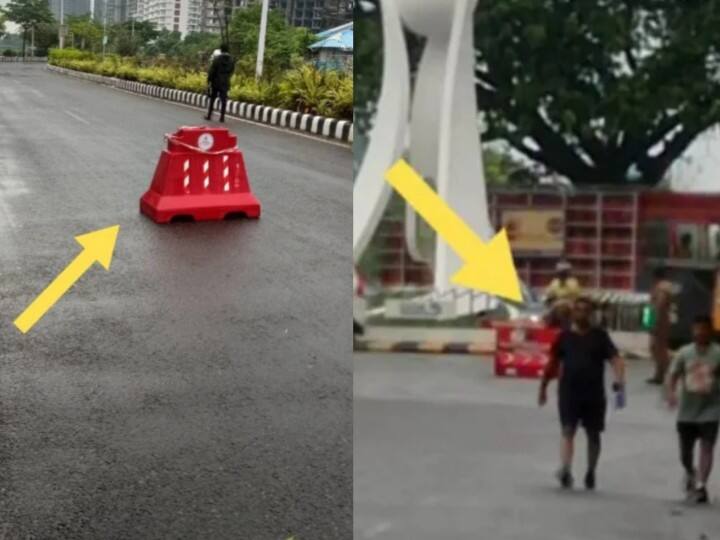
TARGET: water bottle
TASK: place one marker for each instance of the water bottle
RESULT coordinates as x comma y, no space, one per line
620,397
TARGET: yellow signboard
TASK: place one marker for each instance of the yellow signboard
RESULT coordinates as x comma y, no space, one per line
535,230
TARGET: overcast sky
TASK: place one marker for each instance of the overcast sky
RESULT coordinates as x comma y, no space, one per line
9,27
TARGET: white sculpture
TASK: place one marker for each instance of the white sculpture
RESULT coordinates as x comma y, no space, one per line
444,141
387,138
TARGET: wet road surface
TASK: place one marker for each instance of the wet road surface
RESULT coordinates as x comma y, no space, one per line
201,388
445,450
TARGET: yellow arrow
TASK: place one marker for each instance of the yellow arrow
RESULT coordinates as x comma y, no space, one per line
98,247
488,267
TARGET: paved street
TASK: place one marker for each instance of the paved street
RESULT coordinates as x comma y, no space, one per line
201,388
445,450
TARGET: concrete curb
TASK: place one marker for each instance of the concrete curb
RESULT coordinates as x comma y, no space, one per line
440,347
435,347
329,128
21,60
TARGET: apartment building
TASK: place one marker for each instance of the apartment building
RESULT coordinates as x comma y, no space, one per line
182,16
317,15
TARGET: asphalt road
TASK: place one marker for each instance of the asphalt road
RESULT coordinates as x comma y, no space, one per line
445,450
202,387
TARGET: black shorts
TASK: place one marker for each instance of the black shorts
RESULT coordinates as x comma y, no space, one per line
690,432
588,413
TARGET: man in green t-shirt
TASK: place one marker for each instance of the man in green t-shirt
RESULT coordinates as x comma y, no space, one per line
697,368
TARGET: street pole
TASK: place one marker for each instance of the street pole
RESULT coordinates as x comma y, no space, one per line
104,28
61,37
261,40
32,42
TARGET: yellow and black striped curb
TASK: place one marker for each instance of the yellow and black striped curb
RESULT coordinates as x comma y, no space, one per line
434,347
442,347
329,128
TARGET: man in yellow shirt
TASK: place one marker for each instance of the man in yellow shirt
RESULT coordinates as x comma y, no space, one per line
564,288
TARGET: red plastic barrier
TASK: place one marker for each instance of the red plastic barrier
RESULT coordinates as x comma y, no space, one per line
526,364
510,335
201,175
522,349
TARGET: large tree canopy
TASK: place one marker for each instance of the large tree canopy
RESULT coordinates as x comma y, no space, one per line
593,89
28,14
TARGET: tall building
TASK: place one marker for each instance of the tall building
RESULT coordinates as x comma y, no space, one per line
317,15
182,16
210,20
70,7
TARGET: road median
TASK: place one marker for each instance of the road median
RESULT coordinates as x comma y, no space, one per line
328,128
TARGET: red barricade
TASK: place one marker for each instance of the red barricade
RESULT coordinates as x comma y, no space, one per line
201,176
522,350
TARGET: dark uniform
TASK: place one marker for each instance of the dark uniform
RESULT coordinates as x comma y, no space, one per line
221,70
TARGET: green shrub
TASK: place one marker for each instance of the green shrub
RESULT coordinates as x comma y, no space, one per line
158,76
60,55
249,90
192,81
339,103
304,88
307,89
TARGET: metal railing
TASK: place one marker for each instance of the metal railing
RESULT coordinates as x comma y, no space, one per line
617,310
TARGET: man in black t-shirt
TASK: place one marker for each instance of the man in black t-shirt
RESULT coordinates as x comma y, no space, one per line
578,359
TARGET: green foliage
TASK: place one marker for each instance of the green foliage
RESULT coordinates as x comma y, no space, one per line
304,89
166,43
283,43
3,20
28,13
250,90
501,168
60,56
84,33
368,53
597,85
586,89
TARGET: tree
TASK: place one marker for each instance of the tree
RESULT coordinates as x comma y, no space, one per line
3,19
46,36
197,47
127,38
85,33
283,43
593,90
222,10
28,14
167,43
502,168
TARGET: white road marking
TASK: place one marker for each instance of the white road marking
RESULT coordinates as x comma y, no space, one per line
376,530
76,117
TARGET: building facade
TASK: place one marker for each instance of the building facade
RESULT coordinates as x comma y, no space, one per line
182,16
70,7
316,15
